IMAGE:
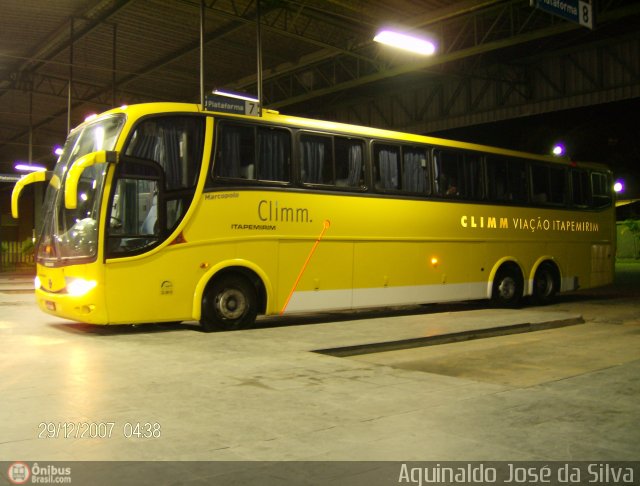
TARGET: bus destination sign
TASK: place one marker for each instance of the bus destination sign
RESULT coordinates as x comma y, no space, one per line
226,104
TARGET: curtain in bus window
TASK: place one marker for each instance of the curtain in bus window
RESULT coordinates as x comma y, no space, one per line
143,143
355,165
517,186
169,156
273,155
313,159
580,187
507,179
448,169
388,169
472,187
228,161
558,185
600,190
540,184
413,175
173,142
498,179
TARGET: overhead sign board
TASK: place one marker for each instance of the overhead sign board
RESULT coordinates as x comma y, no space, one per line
228,104
573,10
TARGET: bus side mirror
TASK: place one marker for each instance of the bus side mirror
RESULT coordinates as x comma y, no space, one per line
76,169
39,176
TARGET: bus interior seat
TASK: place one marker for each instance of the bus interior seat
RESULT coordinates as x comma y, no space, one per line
148,225
540,198
248,171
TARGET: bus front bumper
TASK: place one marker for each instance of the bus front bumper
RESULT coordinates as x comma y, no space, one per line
87,308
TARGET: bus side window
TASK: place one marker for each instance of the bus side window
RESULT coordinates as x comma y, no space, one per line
415,173
600,190
580,192
273,155
548,184
316,164
540,184
558,179
349,162
507,179
459,174
387,166
331,160
235,152
135,222
175,143
447,173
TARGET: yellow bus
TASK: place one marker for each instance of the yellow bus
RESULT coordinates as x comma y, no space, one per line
167,212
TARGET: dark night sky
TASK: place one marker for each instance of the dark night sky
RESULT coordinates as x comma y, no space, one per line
607,133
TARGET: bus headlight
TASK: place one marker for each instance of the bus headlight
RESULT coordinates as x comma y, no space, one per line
79,286
36,282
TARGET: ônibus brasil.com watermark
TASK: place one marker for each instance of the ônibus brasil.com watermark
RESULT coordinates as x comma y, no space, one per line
22,473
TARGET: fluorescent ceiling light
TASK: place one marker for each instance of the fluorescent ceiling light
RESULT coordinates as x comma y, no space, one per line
406,42
239,96
28,167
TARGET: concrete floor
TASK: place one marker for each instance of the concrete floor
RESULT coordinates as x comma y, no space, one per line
562,394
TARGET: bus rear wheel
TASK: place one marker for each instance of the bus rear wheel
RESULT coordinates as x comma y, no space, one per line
229,303
508,287
545,284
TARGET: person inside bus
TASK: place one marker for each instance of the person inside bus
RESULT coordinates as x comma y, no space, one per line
452,189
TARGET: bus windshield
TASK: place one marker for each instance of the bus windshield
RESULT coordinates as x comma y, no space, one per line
72,233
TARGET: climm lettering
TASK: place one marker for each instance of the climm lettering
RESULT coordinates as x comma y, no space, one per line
482,222
271,211
529,224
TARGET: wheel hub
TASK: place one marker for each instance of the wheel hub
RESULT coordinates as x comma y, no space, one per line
507,288
231,304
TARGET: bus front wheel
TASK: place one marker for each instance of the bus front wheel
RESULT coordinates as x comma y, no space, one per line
508,287
229,303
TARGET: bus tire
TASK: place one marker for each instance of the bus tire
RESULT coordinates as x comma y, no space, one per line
545,284
229,303
508,286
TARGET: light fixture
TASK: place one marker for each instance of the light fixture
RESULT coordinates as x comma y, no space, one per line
230,94
409,43
558,150
28,167
618,186
57,150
